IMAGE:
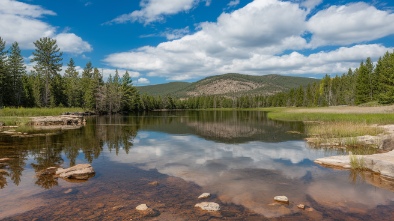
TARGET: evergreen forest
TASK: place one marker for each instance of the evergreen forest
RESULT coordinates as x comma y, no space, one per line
44,86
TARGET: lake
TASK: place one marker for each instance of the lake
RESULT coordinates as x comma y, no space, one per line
167,159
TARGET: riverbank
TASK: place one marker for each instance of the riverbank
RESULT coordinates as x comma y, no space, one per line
355,129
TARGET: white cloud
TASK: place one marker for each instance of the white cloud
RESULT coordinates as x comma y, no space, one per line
310,4
155,10
69,42
259,39
208,2
21,22
348,24
143,81
176,33
233,3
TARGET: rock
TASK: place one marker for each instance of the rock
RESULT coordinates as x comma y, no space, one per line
68,191
282,199
146,211
382,163
208,206
335,161
154,183
301,206
142,207
310,209
204,196
387,144
79,172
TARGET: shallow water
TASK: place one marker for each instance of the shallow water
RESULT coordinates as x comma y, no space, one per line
241,157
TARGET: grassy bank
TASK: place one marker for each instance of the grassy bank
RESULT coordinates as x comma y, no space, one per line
20,116
337,124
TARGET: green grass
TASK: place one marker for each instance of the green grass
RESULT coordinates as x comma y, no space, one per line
357,162
20,116
379,118
33,112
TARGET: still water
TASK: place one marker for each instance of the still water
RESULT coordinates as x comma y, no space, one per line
240,157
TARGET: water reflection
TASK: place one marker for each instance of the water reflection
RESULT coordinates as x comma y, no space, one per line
241,157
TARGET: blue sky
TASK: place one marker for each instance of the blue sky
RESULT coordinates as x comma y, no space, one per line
159,41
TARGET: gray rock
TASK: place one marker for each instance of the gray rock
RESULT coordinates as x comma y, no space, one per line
282,199
79,172
208,206
335,161
382,163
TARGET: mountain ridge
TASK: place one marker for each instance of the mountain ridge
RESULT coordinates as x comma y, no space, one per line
229,85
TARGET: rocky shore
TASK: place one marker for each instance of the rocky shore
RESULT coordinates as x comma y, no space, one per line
62,122
380,163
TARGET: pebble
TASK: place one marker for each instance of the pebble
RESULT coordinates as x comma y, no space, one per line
282,199
204,196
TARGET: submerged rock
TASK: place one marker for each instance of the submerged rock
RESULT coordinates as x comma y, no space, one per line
204,196
80,172
208,206
282,199
142,207
154,183
146,211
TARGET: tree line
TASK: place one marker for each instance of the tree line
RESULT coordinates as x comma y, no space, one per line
44,86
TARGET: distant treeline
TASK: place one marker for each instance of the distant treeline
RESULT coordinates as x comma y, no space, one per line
44,86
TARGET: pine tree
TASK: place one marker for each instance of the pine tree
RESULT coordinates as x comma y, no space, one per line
3,72
73,88
385,67
130,96
17,70
88,100
363,89
48,59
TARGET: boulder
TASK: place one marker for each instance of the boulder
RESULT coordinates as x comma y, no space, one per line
208,206
204,196
282,199
80,172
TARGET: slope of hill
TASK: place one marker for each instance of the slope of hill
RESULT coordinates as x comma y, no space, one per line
229,85
163,89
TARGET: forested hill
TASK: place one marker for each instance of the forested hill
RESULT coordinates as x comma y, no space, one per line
231,85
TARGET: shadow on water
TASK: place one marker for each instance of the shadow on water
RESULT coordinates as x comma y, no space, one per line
241,157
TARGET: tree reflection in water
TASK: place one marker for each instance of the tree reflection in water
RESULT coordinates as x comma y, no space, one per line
118,132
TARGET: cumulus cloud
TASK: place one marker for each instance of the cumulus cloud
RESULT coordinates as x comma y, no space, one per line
156,10
259,39
348,24
21,22
69,42
143,81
